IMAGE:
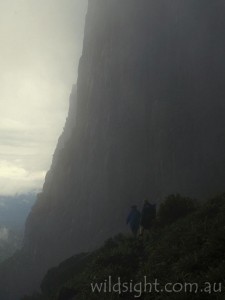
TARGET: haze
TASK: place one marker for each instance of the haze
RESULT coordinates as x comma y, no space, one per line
40,47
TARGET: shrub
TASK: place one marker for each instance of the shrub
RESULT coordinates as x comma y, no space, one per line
174,208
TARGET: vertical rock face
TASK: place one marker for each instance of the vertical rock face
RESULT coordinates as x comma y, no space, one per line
147,119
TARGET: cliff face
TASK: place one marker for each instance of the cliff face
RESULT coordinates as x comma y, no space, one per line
148,120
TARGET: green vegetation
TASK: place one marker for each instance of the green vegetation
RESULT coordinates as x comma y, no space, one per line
185,245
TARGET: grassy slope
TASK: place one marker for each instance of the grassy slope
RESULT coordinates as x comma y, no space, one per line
190,249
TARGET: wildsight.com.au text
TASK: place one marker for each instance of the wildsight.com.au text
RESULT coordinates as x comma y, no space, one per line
116,285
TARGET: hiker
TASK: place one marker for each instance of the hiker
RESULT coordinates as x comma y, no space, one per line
133,220
148,214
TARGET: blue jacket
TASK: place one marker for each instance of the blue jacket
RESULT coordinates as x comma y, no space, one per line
134,218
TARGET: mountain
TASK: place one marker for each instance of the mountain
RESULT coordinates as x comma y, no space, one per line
146,119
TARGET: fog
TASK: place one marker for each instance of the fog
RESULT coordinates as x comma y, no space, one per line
41,43
4,234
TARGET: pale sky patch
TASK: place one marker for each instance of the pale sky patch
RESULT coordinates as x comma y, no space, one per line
41,43
16,179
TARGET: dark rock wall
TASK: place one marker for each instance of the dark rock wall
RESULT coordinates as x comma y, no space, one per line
149,121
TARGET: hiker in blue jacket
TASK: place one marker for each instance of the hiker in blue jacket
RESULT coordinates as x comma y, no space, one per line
133,220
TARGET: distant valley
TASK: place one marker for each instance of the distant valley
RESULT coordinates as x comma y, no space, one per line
13,213
15,209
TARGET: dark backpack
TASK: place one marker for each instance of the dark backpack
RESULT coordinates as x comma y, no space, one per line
148,215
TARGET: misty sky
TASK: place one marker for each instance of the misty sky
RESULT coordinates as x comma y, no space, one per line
40,47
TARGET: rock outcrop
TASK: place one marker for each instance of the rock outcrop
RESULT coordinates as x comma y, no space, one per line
149,121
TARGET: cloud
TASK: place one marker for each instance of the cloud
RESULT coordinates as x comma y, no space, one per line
41,43
8,170
15,179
